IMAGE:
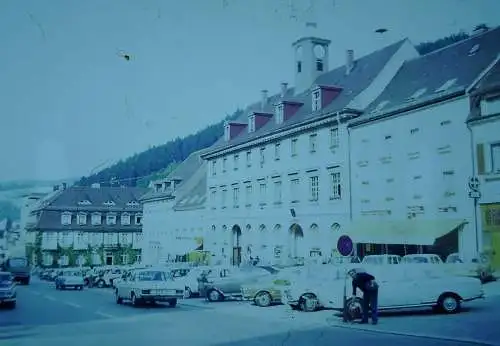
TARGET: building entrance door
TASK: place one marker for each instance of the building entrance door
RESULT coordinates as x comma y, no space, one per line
109,258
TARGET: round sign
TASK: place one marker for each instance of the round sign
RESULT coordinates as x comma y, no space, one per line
345,245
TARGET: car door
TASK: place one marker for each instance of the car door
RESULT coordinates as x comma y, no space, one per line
395,289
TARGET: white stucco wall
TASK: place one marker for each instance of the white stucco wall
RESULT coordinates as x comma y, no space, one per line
400,162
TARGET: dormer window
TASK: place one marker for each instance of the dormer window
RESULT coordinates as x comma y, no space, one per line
316,100
133,204
96,219
279,113
109,203
125,219
111,219
84,202
82,219
251,123
66,218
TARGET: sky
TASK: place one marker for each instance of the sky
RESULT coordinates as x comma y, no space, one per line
70,104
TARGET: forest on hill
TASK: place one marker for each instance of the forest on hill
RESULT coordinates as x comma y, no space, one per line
159,161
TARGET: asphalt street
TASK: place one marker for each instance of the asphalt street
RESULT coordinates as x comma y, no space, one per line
45,316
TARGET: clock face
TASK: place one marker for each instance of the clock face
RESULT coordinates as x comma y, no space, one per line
298,52
319,51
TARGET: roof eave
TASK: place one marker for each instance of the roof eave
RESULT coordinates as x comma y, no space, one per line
408,107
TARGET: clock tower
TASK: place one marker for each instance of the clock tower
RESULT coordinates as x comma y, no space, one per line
311,60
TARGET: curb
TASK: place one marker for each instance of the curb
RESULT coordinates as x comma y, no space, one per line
416,335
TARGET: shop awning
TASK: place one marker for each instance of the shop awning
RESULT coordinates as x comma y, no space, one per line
409,232
183,246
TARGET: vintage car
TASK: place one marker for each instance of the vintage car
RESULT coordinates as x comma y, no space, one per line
381,259
8,290
267,291
190,280
69,278
148,286
220,283
479,268
422,259
402,287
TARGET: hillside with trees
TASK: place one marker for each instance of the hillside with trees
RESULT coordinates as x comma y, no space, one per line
159,161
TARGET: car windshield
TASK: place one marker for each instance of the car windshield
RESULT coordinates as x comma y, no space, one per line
417,259
18,262
152,276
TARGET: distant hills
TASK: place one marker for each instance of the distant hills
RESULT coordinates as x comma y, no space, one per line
157,162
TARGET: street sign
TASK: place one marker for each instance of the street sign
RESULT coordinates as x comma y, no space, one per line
345,245
474,194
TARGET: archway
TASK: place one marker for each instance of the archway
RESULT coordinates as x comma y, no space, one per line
236,237
296,235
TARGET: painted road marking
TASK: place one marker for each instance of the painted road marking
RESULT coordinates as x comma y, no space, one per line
73,304
103,314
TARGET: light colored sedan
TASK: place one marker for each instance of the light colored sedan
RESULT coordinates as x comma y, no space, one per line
149,286
69,278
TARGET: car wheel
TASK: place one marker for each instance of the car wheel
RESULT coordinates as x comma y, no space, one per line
308,302
118,299
354,309
263,299
449,303
172,303
188,293
214,296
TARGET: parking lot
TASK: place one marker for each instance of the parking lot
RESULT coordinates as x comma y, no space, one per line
54,317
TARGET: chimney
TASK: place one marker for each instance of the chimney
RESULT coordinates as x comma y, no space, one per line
264,98
349,63
284,88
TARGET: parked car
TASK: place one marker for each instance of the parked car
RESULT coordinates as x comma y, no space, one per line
479,268
221,283
381,259
422,259
267,291
190,281
20,269
8,290
69,278
401,288
148,286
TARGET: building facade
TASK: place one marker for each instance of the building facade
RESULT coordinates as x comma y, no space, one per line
87,226
411,156
484,123
278,182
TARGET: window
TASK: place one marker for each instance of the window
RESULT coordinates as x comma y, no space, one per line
111,219
319,65
277,192
335,185
236,161
223,197
294,189
110,238
213,196
334,138
80,238
224,164
109,203
214,167
316,100
414,131
263,192
236,197
299,66
249,158
248,195
125,219
314,188
312,142
133,204
262,156
251,123
66,218
277,151
446,122
138,219
293,146
82,219
124,239
495,157
96,219
279,113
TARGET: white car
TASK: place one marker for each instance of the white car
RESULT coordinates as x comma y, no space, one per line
69,278
149,286
190,281
401,287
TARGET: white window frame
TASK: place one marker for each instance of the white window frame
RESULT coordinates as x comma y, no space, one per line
262,192
111,219
314,188
96,218
277,151
248,194
236,160
334,138
249,158
224,164
236,196
81,219
293,146
66,218
262,153
316,100
313,140
223,197
495,157
295,189
213,196
125,217
278,192
280,113
335,181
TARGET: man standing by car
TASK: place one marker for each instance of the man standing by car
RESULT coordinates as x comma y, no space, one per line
367,284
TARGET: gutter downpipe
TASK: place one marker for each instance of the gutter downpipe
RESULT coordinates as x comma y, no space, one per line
471,139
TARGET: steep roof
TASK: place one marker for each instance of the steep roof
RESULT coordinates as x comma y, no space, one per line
439,75
193,194
365,71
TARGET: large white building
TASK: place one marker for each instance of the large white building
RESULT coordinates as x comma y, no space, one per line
377,149
411,155
484,123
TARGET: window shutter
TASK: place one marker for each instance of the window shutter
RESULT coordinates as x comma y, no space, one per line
481,169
